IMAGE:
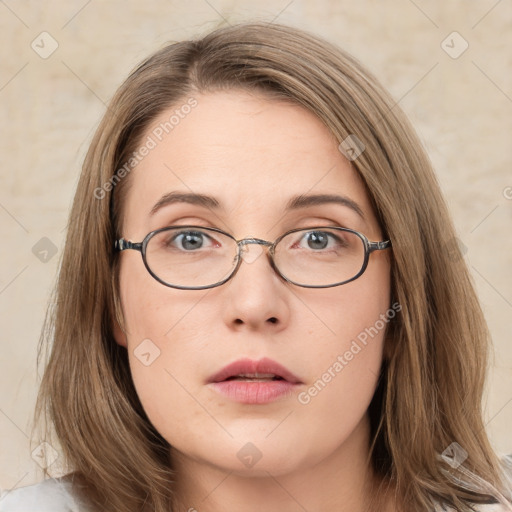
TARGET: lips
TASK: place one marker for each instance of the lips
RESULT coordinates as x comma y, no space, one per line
255,383
263,370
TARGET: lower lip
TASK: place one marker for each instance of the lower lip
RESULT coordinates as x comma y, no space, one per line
247,392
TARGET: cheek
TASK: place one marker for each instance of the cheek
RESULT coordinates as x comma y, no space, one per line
152,310
357,311
164,341
344,351
167,334
344,367
334,406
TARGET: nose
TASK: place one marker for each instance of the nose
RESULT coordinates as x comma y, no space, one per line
256,296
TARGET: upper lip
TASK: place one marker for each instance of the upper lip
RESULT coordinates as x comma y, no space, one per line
264,365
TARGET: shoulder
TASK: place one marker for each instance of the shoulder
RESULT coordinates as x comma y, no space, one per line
51,495
477,508
492,508
499,506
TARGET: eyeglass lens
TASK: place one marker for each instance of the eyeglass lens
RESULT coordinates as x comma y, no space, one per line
195,257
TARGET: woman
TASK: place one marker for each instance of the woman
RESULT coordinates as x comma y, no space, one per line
260,305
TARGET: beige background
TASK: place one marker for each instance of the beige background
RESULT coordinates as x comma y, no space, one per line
461,107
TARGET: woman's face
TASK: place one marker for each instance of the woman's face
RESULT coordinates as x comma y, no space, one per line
253,156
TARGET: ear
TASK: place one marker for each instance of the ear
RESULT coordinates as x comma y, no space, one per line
119,335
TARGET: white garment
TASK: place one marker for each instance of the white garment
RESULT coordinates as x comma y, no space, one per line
55,495
51,495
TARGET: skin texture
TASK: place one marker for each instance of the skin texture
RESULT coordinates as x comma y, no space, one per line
253,154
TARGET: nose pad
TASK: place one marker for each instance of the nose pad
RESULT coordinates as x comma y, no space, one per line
251,252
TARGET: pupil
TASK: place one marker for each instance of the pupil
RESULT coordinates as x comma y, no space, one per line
192,241
317,241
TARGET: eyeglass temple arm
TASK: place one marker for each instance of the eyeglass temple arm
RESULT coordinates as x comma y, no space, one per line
378,246
123,244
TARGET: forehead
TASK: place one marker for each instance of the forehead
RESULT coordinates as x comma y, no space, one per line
245,149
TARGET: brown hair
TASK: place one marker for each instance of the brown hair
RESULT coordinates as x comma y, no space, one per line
430,391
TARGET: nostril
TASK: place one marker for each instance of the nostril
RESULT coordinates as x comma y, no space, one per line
272,320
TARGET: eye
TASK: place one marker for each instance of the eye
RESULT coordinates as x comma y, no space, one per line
319,240
192,241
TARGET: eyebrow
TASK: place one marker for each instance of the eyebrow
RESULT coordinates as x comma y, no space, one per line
295,203
305,201
185,197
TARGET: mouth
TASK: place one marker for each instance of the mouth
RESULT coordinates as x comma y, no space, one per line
255,377
248,370
254,382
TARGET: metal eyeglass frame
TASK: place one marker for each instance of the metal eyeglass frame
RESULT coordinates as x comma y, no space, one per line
369,247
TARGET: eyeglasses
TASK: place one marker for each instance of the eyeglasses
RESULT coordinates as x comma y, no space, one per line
196,258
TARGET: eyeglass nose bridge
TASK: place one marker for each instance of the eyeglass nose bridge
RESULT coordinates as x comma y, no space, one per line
250,257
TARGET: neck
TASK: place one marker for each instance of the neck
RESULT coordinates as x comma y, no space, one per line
343,481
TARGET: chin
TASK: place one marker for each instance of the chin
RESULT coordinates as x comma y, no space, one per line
257,457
